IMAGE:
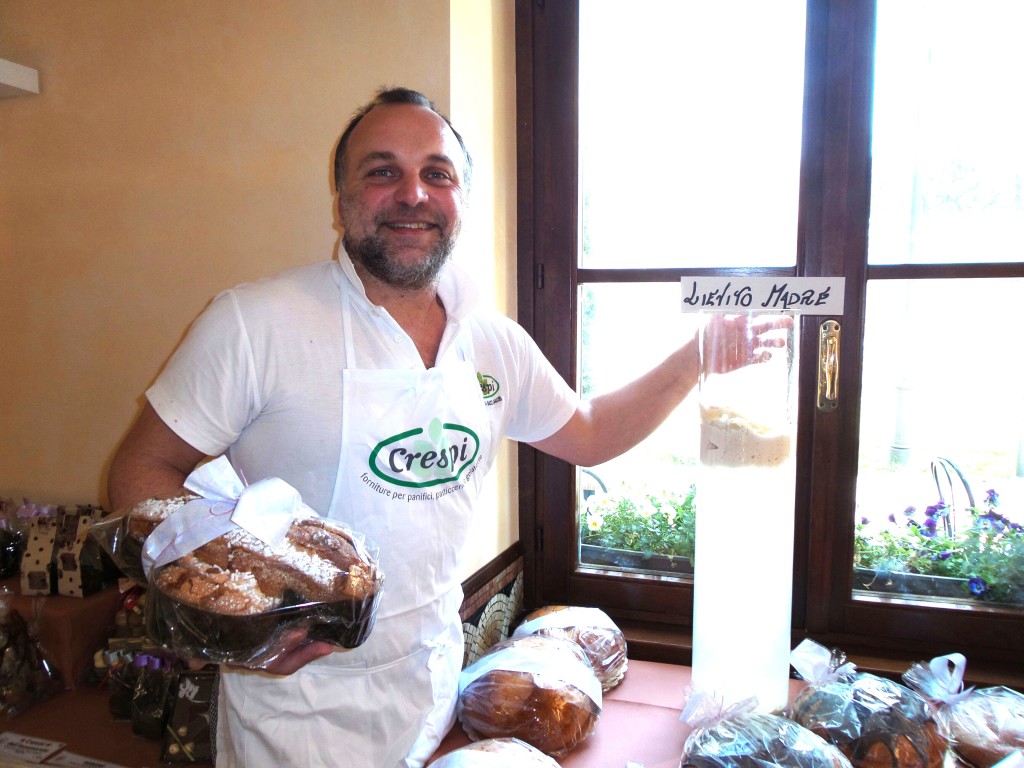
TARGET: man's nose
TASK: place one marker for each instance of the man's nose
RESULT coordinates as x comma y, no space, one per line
411,190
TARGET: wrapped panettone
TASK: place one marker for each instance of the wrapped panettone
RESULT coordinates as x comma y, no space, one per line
875,722
738,737
234,599
590,628
539,689
984,725
240,574
495,753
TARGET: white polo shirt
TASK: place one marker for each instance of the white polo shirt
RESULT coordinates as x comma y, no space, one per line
259,373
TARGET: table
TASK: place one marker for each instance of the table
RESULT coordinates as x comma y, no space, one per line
81,719
639,721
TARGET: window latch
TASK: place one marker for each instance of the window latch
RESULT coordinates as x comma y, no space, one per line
828,366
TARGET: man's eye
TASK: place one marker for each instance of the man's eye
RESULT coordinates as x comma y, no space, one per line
438,176
382,172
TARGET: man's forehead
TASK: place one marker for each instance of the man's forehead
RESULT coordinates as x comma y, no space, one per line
400,129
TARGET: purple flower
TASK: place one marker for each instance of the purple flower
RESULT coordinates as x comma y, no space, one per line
892,518
977,586
945,555
991,497
909,511
864,521
990,521
931,511
928,529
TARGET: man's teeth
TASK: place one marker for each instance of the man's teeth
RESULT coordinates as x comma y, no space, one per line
411,226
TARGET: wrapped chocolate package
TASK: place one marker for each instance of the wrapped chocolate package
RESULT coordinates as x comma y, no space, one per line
539,689
739,737
27,677
590,628
875,722
495,753
985,725
242,574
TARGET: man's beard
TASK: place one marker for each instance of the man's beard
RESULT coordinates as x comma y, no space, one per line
372,252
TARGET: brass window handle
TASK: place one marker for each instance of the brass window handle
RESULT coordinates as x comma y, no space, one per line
828,365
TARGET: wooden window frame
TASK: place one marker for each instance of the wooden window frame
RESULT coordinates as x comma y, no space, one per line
832,240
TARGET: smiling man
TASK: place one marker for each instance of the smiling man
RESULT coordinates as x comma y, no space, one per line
368,384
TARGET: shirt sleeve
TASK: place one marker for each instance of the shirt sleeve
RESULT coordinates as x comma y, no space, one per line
207,391
539,401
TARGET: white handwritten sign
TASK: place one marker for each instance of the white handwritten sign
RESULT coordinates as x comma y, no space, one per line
805,295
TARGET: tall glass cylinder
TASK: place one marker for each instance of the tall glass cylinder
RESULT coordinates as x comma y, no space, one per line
742,603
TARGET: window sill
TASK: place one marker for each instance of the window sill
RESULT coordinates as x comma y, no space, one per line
648,641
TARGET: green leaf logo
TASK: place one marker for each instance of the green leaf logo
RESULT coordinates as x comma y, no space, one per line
488,385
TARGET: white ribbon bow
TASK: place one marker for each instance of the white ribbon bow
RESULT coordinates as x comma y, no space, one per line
944,679
265,509
704,709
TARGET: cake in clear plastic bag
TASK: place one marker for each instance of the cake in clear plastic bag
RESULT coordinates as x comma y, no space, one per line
240,574
985,725
590,628
236,600
496,753
738,737
541,690
874,721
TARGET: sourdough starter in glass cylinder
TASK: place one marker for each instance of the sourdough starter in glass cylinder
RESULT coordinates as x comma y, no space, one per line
744,530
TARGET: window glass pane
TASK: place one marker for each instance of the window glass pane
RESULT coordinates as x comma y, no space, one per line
942,398
642,501
690,129
947,156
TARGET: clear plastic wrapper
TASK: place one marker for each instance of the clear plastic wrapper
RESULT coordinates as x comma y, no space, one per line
189,736
590,628
26,676
123,533
496,753
985,725
738,737
874,721
150,705
241,574
12,538
539,689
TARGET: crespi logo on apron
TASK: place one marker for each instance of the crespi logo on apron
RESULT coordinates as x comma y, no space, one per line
423,458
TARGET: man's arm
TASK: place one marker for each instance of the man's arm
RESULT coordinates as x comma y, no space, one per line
608,425
152,460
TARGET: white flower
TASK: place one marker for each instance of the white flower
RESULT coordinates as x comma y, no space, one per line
646,509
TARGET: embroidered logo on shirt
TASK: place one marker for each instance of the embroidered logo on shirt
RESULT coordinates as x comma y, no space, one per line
489,386
422,458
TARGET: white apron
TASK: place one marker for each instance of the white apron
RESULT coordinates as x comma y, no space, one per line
414,445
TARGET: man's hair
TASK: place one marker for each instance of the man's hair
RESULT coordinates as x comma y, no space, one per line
393,96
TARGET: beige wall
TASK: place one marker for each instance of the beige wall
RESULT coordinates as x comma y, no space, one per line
178,147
